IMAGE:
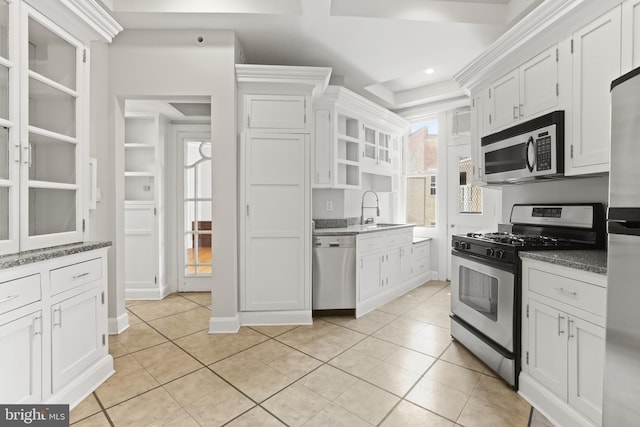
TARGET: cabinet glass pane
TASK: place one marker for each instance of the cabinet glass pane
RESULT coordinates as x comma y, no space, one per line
51,56
51,109
4,213
4,153
52,160
4,29
51,211
4,91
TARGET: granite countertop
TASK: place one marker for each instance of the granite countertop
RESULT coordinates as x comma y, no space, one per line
359,229
29,257
594,261
417,239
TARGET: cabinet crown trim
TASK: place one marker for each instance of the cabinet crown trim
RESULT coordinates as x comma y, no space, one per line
317,77
96,17
356,103
548,18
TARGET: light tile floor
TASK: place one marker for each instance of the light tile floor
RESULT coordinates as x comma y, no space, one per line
396,366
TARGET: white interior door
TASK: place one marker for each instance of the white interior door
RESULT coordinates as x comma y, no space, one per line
195,212
470,208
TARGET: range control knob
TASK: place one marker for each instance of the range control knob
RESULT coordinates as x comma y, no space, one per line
456,245
464,245
490,251
499,254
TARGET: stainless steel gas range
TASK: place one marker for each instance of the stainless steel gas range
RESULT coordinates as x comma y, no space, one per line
486,295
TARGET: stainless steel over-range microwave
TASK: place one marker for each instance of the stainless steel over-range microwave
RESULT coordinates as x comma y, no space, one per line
527,151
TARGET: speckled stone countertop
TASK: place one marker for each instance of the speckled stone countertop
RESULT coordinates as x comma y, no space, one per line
594,261
29,257
358,229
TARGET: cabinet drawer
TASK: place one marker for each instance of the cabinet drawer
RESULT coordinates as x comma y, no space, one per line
370,244
19,292
583,295
397,239
75,275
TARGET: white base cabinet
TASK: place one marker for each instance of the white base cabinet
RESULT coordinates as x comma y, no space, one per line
563,342
53,318
389,265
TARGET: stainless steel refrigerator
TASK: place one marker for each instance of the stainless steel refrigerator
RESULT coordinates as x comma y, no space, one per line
621,400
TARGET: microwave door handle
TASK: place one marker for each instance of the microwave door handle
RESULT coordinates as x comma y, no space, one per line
530,141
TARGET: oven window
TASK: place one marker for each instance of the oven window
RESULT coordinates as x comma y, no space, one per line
480,292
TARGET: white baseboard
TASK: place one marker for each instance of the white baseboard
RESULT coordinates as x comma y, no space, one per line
224,325
270,318
119,324
85,383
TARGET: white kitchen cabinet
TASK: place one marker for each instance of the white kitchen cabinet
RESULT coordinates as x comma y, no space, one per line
503,97
586,367
354,136
275,191
277,112
276,240
596,62
421,258
389,265
525,92
563,342
144,147
21,358
43,117
53,317
406,262
77,336
630,35
477,132
370,277
548,347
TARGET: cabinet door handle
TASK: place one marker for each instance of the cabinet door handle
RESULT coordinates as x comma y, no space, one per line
570,334
17,153
560,319
515,112
520,110
81,275
9,298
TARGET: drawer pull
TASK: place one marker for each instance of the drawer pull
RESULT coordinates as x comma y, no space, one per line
81,275
9,298
59,322
563,291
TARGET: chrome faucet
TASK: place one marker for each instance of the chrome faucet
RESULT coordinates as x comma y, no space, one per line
362,207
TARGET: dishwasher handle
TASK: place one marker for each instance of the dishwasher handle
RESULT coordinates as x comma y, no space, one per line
334,244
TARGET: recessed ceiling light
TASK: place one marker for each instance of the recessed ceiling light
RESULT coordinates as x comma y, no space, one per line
429,71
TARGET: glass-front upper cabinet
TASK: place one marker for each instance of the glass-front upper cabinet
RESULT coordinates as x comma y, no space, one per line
50,129
9,145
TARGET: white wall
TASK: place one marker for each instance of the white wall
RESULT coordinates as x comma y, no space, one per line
165,63
568,190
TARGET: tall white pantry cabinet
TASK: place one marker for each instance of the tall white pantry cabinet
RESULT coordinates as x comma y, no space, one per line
53,313
274,105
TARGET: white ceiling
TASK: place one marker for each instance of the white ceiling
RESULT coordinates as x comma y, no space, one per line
377,48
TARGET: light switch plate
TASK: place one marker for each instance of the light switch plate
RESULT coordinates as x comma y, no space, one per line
328,205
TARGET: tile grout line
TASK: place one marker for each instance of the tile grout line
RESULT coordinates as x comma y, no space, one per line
277,337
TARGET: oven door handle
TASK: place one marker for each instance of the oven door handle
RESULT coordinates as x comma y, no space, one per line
492,263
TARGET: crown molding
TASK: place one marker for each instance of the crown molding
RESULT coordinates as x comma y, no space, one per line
360,105
95,16
316,77
547,20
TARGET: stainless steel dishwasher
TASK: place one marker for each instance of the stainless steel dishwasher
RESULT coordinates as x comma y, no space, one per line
334,272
